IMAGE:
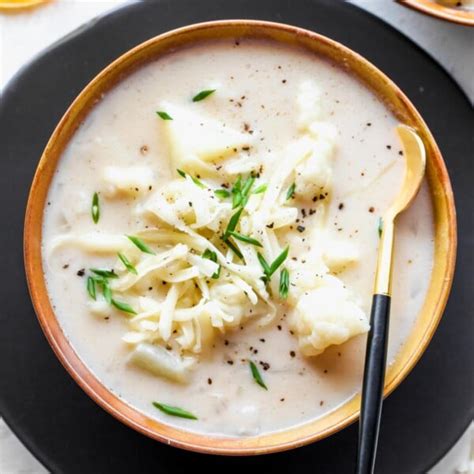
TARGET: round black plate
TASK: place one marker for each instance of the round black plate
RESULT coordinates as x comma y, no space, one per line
56,420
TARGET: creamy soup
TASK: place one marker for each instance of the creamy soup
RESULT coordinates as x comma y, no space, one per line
248,344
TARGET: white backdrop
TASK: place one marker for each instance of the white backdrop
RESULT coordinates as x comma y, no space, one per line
23,35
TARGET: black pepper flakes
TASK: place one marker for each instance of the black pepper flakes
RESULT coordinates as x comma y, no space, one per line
341,206
81,272
301,228
292,353
209,381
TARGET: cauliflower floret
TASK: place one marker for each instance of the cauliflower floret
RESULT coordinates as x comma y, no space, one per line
327,316
314,174
309,103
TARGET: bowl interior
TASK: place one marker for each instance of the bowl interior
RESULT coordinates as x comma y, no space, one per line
444,226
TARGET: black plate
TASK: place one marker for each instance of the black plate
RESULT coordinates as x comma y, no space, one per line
44,406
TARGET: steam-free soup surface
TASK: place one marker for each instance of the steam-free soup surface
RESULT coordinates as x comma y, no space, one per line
256,85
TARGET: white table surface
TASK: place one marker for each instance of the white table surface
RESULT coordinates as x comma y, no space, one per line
23,35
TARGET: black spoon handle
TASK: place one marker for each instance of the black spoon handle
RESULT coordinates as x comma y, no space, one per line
372,389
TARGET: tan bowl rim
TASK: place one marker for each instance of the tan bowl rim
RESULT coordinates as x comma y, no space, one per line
294,436
12,6
442,12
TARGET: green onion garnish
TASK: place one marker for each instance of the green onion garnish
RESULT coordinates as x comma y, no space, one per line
95,209
245,238
195,180
104,273
279,260
211,255
174,411
140,244
284,283
234,249
291,192
260,189
222,193
106,291
256,375
125,307
236,193
203,94
380,227
269,270
247,185
263,263
233,223
127,263
91,287
164,115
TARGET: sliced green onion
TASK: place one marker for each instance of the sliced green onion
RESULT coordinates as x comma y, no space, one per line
125,307
245,238
247,185
284,283
203,94
95,209
195,180
174,411
140,244
211,255
291,192
104,273
164,115
127,263
106,291
278,261
263,263
233,223
260,189
380,227
234,249
91,287
269,270
236,199
222,193
256,375
237,193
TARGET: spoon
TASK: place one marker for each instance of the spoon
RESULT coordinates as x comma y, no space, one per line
376,352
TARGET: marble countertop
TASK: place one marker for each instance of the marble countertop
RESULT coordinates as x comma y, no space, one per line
31,31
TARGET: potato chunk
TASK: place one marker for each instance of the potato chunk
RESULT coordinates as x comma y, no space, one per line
195,140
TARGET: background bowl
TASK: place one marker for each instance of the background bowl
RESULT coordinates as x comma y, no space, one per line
445,234
443,12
